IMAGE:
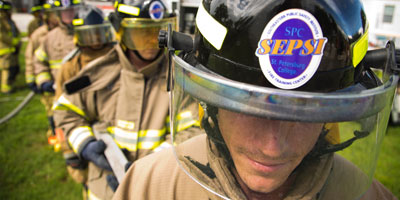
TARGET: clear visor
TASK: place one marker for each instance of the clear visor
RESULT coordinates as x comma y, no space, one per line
142,33
94,35
269,131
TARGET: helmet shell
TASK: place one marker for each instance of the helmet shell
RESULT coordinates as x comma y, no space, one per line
343,23
89,15
5,5
154,9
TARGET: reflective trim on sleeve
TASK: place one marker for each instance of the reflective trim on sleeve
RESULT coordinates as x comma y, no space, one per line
63,103
79,135
131,140
184,120
42,77
41,55
15,41
164,145
5,51
55,64
30,78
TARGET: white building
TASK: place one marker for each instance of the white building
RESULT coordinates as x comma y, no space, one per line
384,21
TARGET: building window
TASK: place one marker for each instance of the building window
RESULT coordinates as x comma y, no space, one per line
388,14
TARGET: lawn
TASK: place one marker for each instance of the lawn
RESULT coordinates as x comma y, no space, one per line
30,169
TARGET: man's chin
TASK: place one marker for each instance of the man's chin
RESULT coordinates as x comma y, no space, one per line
263,185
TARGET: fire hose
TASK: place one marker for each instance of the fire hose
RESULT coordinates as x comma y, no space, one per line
18,108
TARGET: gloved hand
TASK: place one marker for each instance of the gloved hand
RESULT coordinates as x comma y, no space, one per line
47,86
112,180
94,152
34,88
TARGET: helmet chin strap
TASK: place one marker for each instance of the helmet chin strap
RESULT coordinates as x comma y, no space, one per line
147,60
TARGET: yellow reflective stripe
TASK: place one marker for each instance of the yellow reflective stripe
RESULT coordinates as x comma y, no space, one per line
131,140
79,135
47,6
5,87
55,64
91,196
36,8
5,7
130,10
149,145
15,41
76,1
42,77
64,104
115,4
30,78
163,145
41,55
360,48
78,22
5,51
184,120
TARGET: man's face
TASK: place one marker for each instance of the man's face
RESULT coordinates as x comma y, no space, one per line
67,15
266,152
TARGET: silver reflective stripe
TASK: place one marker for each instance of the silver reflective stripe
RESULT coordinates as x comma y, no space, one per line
78,135
280,104
131,140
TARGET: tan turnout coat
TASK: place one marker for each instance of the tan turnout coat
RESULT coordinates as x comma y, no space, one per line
158,176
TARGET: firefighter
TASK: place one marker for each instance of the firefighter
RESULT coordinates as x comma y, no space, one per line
37,12
50,22
49,55
122,93
94,37
284,88
9,48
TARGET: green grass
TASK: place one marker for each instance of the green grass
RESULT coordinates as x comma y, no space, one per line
30,169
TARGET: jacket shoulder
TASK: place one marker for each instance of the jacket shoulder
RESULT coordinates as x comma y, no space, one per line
95,75
346,180
39,32
158,176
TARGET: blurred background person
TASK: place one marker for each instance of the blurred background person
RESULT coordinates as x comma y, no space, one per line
94,37
122,93
9,48
54,47
50,20
37,12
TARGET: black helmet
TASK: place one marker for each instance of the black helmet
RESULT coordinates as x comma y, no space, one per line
5,5
154,9
90,27
37,5
296,44
65,4
141,19
50,5
292,64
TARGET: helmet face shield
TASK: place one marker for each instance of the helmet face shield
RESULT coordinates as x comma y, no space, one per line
142,33
351,122
93,35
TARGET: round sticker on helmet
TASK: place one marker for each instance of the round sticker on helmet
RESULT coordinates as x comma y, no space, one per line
291,48
66,2
156,10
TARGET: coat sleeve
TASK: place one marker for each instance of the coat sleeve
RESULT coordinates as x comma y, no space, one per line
70,114
41,63
29,70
